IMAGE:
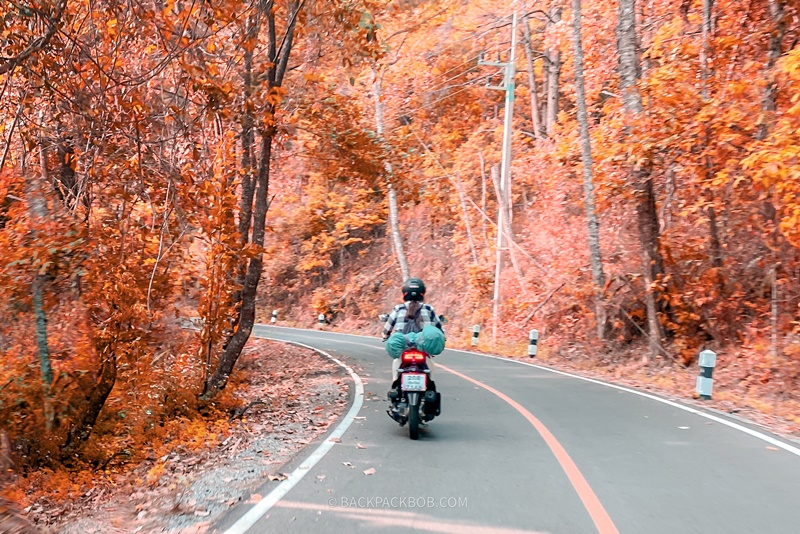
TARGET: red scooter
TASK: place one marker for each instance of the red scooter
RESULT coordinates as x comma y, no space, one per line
413,396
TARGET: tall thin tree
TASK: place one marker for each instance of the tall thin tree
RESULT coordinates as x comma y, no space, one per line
705,74
532,86
595,257
394,224
279,49
553,62
640,172
768,108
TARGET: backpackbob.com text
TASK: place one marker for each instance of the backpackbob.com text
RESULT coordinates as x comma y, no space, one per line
398,502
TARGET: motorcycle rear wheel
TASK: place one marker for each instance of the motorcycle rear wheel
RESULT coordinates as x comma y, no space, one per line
413,422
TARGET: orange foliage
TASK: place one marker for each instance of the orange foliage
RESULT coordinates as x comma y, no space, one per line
120,181
726,199
120,194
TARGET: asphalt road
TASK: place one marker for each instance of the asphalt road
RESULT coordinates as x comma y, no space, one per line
520,449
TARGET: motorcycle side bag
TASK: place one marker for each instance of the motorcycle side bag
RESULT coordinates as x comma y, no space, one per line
433,403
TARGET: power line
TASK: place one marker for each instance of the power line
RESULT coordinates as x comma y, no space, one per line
440,81
473,34
450,79
444,83
467,62
445,73
465,87
476,33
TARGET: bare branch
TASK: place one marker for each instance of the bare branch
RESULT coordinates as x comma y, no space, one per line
9,63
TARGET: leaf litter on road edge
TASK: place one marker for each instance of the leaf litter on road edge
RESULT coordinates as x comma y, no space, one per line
258,381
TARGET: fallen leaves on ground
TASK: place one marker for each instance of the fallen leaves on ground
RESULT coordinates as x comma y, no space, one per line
293,419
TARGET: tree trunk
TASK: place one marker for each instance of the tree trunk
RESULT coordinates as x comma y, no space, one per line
708,6
37,207
467,225
498,262
248,140
647,215
629,69
97,399
768,107
774,337
483,201
553,60
394,228
776,11
536,122
508,233
705,52
247,316
394,224
651,260
38,212
595,257
713,228
41,332
279,58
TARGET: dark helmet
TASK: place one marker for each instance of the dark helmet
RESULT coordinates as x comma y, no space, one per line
413,289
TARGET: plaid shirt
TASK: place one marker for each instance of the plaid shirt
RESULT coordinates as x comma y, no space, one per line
397,318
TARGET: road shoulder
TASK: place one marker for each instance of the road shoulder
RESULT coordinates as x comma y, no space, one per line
303,395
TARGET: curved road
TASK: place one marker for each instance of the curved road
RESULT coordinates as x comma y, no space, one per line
521,450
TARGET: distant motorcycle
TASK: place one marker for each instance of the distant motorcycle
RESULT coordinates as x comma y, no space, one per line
413,396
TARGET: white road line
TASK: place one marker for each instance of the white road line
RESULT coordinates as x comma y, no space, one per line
252,516
754,433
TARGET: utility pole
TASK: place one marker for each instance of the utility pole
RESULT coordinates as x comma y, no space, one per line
505,167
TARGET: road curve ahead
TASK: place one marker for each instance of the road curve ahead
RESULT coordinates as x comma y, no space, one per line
521,450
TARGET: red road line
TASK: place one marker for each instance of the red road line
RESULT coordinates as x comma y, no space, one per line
590,501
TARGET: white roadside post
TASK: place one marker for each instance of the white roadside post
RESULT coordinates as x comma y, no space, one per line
476,330
274,316
533,340
321,319
708,359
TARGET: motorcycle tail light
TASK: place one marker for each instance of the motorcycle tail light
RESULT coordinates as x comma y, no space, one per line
413,357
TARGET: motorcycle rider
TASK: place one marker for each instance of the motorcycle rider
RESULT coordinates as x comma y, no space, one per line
413,309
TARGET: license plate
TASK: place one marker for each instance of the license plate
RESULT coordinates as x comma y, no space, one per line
413,382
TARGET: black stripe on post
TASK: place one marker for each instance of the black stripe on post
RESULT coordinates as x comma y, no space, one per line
533,342
705,382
